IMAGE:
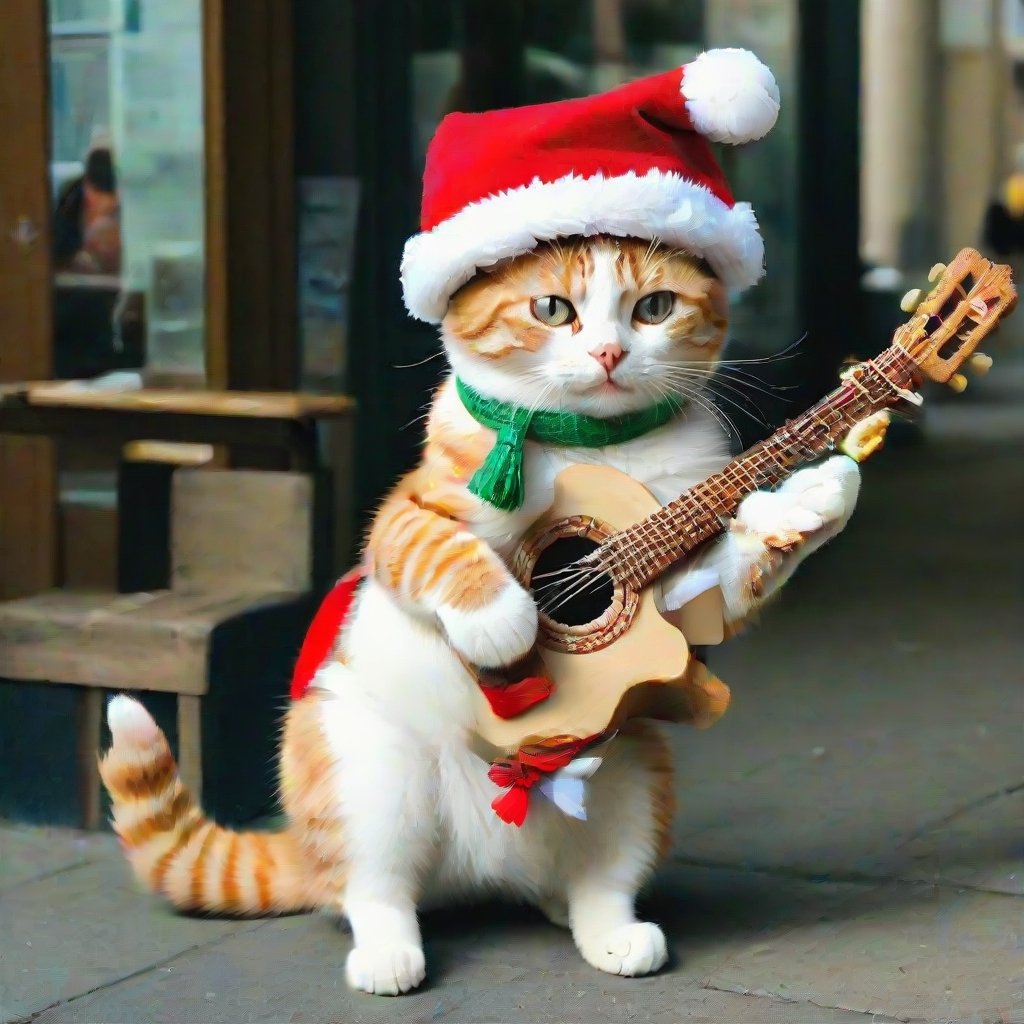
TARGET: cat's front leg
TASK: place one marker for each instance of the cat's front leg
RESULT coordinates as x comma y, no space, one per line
387,809
774,531
433,564
629,810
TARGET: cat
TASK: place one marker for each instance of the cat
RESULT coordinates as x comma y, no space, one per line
389,811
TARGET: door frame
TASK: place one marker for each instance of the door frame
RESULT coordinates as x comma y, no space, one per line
28,512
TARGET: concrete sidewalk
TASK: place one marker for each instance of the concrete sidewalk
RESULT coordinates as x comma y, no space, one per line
850,846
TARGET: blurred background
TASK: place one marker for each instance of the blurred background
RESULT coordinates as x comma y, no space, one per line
204,199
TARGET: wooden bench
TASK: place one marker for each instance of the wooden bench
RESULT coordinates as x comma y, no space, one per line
242,544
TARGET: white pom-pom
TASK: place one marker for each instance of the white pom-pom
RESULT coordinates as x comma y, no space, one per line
730,96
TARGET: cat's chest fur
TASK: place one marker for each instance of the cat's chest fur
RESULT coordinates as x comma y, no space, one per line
667,461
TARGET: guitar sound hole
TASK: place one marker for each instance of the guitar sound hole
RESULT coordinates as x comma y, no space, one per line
567,597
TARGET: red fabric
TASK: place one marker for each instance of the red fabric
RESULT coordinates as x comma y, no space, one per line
323,631
512,701
638,127
519,774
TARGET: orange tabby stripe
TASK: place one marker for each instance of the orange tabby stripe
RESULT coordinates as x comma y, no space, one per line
262,863
425,557
189,828
198,880
143,780
229,881
163,820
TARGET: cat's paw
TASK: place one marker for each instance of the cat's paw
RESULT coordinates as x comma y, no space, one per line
630,950
496,634
385,970
810,501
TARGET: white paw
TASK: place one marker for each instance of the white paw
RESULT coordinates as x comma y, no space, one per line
499,633
385,970
631,950
808,501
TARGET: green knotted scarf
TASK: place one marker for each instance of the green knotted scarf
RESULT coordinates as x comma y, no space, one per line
499,480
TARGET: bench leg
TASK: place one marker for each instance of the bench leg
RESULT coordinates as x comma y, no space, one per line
89,724
190,750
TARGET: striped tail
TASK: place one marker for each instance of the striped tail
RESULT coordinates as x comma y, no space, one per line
173,848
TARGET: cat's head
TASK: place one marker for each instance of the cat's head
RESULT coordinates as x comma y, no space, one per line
596,325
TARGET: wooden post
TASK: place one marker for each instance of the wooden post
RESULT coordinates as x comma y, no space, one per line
28,513
190,746
89,723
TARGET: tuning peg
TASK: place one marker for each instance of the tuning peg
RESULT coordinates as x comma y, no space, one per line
938,269
980,363
958,382
910,301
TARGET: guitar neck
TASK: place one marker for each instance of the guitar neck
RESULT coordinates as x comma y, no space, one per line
640,554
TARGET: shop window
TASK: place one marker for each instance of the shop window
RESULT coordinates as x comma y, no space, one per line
127,170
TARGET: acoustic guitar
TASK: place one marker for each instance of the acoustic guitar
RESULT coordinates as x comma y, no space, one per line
605,653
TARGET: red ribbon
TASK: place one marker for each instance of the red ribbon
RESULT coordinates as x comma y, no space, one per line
511,701
518,775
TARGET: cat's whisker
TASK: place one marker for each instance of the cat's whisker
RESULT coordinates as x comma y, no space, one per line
681,376
439,354
696,397
789,352
717,371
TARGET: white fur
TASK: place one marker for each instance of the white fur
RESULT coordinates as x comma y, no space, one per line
730,96
414,797
499,633
131,725
658,204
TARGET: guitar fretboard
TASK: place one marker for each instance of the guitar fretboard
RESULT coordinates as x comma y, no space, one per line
640,554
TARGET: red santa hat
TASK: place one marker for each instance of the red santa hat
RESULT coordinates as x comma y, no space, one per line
634,161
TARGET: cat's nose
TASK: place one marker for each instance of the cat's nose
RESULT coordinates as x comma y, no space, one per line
609,355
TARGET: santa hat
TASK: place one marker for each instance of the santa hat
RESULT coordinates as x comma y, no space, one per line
634,161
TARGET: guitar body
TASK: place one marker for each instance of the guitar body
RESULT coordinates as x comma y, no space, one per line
609,651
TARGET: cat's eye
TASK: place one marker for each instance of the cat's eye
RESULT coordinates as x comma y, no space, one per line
553,310
654,308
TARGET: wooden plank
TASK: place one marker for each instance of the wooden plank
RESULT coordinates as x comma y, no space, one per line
27,478
248,531
120,641
274,405
297,438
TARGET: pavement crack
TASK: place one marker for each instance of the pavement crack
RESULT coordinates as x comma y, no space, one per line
967,808
45,875
780,871
872,1016
837,877
156,965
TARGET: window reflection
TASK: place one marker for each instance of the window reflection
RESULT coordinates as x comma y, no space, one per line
127,161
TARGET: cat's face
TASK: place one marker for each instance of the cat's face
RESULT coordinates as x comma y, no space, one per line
600,326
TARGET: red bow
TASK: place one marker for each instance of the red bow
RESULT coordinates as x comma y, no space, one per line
510,701
519,774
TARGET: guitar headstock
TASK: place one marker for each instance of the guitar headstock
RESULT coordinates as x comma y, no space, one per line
971,295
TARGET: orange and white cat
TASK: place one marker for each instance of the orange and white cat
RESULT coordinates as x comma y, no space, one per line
388,809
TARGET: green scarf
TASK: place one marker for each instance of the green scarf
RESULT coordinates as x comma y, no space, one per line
499,480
